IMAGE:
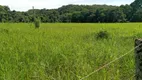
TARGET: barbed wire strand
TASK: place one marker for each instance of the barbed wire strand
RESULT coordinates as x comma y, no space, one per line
109,63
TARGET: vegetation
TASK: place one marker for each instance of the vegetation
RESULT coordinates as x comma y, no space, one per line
77,13
102,35
37,23
67,51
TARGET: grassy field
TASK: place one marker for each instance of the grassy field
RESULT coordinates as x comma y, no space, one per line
67,51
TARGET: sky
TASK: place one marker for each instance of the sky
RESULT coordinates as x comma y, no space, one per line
24,5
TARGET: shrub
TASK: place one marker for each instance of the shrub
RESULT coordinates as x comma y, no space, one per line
4,30
37,23
102,35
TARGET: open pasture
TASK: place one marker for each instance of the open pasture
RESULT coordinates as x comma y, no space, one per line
58,51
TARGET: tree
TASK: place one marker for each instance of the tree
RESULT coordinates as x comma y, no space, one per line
53,16
4,12
127,10
67,17
137,4
76,13
76,16
91,17
137,17
100,15
117,15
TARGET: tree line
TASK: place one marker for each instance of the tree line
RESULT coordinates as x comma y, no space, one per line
77,14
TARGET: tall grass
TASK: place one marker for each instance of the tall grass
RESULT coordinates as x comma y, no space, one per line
66,51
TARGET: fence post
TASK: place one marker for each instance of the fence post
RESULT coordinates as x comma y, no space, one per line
138,58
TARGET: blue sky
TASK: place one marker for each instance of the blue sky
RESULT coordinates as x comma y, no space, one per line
24,5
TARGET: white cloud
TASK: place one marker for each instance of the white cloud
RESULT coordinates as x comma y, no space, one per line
24,5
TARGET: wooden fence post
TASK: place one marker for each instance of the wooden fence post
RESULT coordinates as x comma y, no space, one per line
138,58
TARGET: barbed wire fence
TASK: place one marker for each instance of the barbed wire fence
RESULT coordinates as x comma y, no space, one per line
118,58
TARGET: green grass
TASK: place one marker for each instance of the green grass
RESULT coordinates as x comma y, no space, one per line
67,51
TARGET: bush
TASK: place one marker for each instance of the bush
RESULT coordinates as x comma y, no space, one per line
102,35
37,23
4,30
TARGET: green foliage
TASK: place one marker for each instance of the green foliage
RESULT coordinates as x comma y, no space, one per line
137,17
136,12
102,35
37,23
137,4
127,9
76,13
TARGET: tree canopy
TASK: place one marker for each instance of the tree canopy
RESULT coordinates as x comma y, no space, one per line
77,13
